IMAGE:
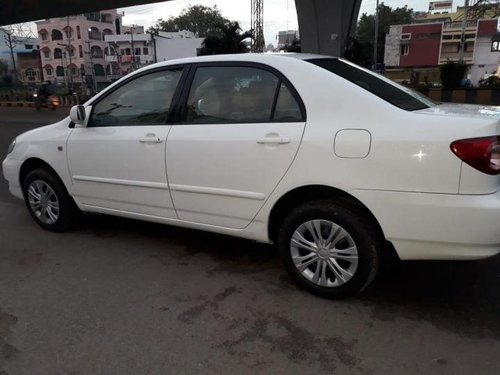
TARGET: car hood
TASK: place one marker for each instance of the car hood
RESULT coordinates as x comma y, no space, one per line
463,110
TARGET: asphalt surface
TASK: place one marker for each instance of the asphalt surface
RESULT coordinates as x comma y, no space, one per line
121,296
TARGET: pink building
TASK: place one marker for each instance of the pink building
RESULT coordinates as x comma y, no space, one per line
73,49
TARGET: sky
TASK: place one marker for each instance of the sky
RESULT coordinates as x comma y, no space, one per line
278,14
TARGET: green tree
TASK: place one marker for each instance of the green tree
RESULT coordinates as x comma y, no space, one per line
361,49
4,68
199,19
6,78
226,38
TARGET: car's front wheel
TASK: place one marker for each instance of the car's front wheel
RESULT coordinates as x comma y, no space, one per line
329,248
48,201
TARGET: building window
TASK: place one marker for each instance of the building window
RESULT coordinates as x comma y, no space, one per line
127,51
447,37
405,49
78,34
44,36
28,46
80,51
406,36
60,71
57,53
137,51
48,71
495,46
30,74
96,52
145,51
68,32
46,54
98,70
57,35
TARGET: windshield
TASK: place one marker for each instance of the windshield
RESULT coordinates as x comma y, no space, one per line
394,93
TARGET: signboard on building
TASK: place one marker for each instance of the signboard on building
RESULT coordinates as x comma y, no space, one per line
440,5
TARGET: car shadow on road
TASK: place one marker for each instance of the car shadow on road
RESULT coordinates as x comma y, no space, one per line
460,297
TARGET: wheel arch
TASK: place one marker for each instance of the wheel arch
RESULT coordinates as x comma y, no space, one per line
33,163
307,193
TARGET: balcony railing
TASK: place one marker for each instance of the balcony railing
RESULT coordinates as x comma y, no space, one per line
458,25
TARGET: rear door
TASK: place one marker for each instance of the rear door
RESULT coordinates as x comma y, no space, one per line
241,129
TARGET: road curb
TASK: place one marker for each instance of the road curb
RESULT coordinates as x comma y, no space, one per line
17,104
28,104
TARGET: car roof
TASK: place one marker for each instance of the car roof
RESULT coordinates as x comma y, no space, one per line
243,57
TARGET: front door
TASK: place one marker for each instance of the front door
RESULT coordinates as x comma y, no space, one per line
117,162
241,130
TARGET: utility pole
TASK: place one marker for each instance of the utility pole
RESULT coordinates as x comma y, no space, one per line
375,40
69,50
153,38
132,43
94,83
462,37
11,44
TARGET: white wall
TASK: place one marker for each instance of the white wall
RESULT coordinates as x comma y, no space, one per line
392,54
177,48
485,61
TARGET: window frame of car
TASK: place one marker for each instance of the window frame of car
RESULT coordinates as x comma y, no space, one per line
181,112
424,101
173,105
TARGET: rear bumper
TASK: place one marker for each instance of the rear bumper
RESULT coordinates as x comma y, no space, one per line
10,169
437,226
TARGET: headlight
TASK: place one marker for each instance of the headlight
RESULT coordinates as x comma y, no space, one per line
11,146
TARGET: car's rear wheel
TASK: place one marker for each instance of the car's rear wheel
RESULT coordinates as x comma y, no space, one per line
329,248
48,201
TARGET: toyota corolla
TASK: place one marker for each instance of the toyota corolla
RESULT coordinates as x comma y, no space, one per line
331,162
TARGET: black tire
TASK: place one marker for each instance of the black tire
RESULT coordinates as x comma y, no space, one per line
67,213
362,235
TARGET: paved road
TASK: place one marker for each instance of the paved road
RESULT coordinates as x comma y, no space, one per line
124,297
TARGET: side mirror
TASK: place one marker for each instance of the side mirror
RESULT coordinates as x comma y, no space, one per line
78,115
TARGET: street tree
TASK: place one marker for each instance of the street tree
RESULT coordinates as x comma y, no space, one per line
361,49
226,38
199,19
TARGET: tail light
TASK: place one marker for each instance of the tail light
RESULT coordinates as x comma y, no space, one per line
482,154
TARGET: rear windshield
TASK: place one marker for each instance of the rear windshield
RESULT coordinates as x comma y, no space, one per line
394,93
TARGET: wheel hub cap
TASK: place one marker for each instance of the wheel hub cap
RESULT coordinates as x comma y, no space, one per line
324,253
43,202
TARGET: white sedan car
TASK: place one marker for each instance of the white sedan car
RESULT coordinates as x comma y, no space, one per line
330,161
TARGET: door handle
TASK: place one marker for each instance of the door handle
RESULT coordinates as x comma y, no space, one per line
274,140
150,138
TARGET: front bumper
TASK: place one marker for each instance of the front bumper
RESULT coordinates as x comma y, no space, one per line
437,226
10,169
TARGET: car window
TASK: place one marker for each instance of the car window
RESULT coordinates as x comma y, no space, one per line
144,101
287,108
231,95
392,92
